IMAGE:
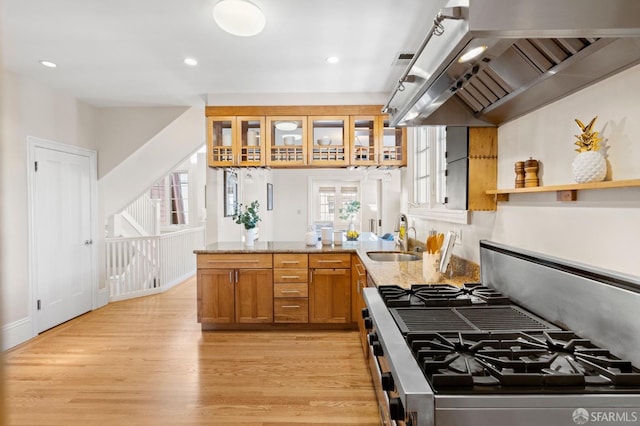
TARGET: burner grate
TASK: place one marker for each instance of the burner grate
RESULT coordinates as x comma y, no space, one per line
486,318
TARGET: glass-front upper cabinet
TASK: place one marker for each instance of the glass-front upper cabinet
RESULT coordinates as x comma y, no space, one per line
393,150
250,141
329,140
220,135
364,140
286,141
236,141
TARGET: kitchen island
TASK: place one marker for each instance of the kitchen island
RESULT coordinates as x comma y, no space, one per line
285,284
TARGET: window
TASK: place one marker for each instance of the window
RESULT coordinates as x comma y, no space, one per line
428,166
173,195
331,196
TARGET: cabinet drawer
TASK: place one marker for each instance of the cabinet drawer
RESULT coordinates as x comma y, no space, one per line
241,261
290,275
291,310
336,260
288,260
290,290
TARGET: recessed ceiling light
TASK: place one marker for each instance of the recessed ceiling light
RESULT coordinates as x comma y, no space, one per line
473,53
333,60
191,62
239,17
48,64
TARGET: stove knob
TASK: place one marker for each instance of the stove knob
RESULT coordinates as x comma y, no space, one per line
377,349
387,381
368,323
396,412
365,313
372,337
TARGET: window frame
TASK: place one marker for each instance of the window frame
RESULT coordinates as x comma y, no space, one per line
433,207
314,188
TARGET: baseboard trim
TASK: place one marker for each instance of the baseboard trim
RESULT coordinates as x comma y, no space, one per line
16,332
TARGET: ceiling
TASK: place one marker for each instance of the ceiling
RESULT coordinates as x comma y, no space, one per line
130,53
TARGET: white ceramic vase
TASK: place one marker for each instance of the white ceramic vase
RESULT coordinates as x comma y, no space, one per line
589,166
249,236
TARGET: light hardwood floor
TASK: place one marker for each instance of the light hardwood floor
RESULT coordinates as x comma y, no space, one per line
146,362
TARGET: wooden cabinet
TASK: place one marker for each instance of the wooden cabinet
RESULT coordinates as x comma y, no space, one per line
365,140
235,288
286,141
374,143
290,288
393,144
330,288
328,141
472,156
236,141
303,136
358,283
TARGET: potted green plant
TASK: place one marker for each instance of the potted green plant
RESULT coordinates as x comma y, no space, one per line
248,217
348,212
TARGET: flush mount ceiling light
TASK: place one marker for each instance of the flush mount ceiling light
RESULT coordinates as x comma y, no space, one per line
333,60
239,17
191,62
48,64
473,53
286,125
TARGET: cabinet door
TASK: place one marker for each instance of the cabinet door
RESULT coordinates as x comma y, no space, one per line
221,132
215,297
250,141
393,144
286,141
329,296
254,296
364,136
328,140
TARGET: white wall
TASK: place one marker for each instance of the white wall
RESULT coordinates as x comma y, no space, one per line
119,132
602,228
29,109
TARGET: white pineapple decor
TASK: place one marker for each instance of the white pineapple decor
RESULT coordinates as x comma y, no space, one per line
589,165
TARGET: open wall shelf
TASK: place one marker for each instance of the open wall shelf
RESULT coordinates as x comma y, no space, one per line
566,192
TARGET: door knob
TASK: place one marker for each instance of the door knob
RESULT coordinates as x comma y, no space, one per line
88,242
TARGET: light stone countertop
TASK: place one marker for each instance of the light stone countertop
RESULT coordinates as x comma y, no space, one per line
381,273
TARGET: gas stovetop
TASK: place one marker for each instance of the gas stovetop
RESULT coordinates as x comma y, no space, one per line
434,295
548,361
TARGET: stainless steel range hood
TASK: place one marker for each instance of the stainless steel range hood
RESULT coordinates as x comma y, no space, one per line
535,53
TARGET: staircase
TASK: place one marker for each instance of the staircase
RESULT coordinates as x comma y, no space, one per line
138,259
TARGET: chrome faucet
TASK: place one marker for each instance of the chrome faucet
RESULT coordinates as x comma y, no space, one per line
401,229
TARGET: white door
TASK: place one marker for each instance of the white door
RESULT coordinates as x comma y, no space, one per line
62,254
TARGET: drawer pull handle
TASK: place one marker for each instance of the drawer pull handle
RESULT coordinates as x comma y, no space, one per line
290,306
290,291
329,261
233,261
290,277
290,262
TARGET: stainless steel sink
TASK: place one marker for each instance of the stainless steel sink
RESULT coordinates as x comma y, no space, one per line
392,256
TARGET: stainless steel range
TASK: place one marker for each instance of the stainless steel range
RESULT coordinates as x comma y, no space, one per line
528,346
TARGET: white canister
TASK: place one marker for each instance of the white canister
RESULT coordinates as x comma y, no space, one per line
327,235
337,237
226,139
311,238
